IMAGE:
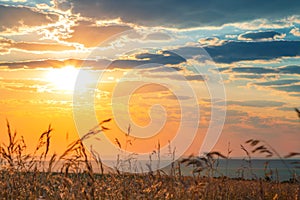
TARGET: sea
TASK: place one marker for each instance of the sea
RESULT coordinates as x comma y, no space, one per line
269,169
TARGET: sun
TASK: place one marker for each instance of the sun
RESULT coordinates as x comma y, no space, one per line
63,78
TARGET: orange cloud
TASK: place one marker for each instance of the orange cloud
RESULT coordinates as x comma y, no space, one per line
295,32
41,46
12,18
6,45
90,35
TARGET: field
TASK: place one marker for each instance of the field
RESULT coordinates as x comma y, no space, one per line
17,185
29,176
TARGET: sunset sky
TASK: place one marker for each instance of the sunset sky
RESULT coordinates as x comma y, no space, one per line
252,48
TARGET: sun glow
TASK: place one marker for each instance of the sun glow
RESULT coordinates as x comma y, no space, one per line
63,78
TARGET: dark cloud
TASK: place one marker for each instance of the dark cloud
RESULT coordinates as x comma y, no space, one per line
260,35
287,85
291,109
177,13
166,57
290,88
128,64
224,69
165,69
278,82
254,71
145,60
229,52
5,45
250,76
290,69
295,95
192,51
235,113
158,36
14,17
257,103
260,122
235,116
168,72
177,77
162,58
239,51
197,77
180,97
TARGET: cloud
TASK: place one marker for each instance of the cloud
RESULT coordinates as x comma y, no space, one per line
165,69
212,41
100,64
291,109
257,103
29,85
33,64
167,73
235,116
145,60
278,82
196,77
232,51
90,35
235,113
262,122
41,46
252,76
183,14
254,71
6,45
128,64
142,59
290,69
12,18
289,88
173,97
261,35
128,85
158,36
239,51
295,32
165,57
231,36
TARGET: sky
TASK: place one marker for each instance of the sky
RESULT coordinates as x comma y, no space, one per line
169,70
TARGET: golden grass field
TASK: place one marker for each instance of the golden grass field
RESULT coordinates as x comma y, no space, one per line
38,185
29,176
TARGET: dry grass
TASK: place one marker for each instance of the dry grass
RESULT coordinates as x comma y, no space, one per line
29,176
17,185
